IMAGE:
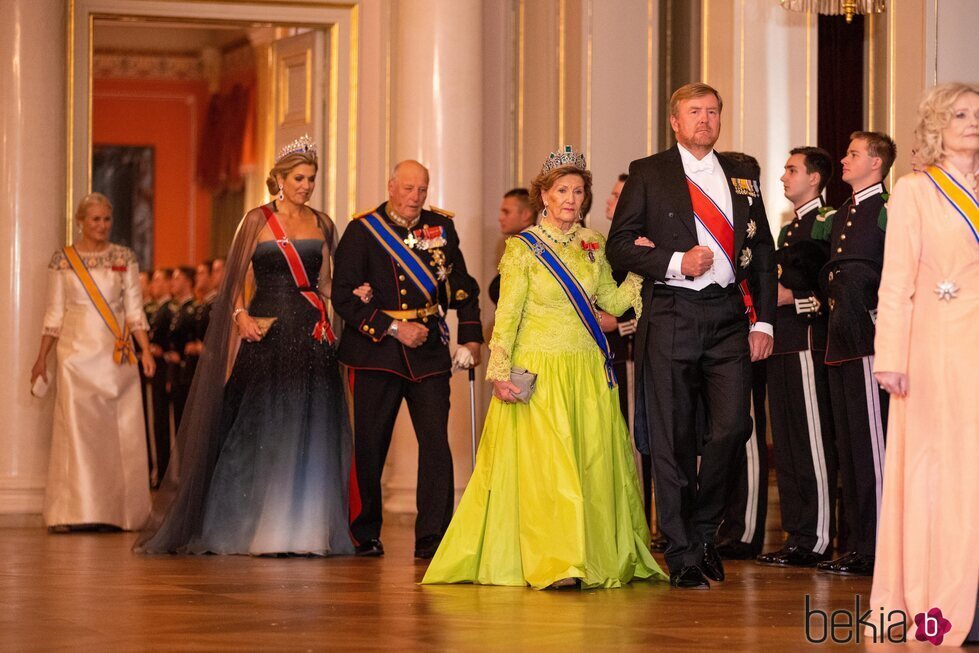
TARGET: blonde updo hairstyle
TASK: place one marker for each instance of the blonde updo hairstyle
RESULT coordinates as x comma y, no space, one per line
545,180
92,199
285,165
934,115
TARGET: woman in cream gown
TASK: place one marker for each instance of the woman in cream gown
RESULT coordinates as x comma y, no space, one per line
927,322
97,475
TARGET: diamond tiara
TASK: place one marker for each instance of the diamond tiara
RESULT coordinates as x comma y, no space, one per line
302,144
566,156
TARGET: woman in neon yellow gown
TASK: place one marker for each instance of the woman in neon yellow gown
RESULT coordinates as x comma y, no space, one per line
554,499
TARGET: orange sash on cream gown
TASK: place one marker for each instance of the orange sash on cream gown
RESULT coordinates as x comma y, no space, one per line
98,466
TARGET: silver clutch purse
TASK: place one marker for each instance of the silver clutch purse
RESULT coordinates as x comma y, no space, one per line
526,381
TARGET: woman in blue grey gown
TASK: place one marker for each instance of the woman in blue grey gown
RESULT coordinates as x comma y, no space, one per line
264,448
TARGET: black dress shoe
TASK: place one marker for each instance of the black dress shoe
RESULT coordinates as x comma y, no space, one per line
799,557
426,547
370,548
775,558
658,544
858,565
791,556
736,551
711,563
831,565
689,578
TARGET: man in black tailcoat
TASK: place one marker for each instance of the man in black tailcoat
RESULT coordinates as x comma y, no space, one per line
709,301
395,343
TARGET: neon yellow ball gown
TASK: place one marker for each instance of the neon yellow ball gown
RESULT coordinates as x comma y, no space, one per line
555,493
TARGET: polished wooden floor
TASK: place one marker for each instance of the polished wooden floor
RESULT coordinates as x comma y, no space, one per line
88,592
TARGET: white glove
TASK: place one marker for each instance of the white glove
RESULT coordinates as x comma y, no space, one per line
627,328
462,359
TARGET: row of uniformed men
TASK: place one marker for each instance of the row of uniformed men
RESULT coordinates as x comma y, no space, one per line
177,303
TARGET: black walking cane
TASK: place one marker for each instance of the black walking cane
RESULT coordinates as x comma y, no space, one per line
472,411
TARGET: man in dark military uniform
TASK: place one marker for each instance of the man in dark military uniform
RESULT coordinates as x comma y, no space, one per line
395,343
620,333
851,279
205,292
515,216
146,383
798,386
741,533
215,274
183,331
159,335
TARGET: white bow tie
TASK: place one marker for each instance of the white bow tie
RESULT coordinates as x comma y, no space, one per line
704,165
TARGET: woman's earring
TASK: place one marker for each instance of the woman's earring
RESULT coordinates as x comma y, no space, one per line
281,197
544,212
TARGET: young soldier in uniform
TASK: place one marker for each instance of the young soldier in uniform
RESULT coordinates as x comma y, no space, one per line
159,335
395,343
798,387
183,331
146,383
851,279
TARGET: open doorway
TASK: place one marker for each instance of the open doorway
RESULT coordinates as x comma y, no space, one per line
310,89
185,119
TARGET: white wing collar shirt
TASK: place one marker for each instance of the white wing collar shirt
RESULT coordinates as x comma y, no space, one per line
708,174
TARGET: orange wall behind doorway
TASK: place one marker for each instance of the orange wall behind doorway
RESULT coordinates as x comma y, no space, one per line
167,115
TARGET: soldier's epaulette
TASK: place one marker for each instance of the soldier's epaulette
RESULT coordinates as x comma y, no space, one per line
882,216
362,214
435,209
823,226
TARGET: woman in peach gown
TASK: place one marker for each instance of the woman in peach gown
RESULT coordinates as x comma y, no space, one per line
927,358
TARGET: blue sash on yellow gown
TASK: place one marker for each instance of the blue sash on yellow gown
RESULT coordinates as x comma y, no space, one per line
555,493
